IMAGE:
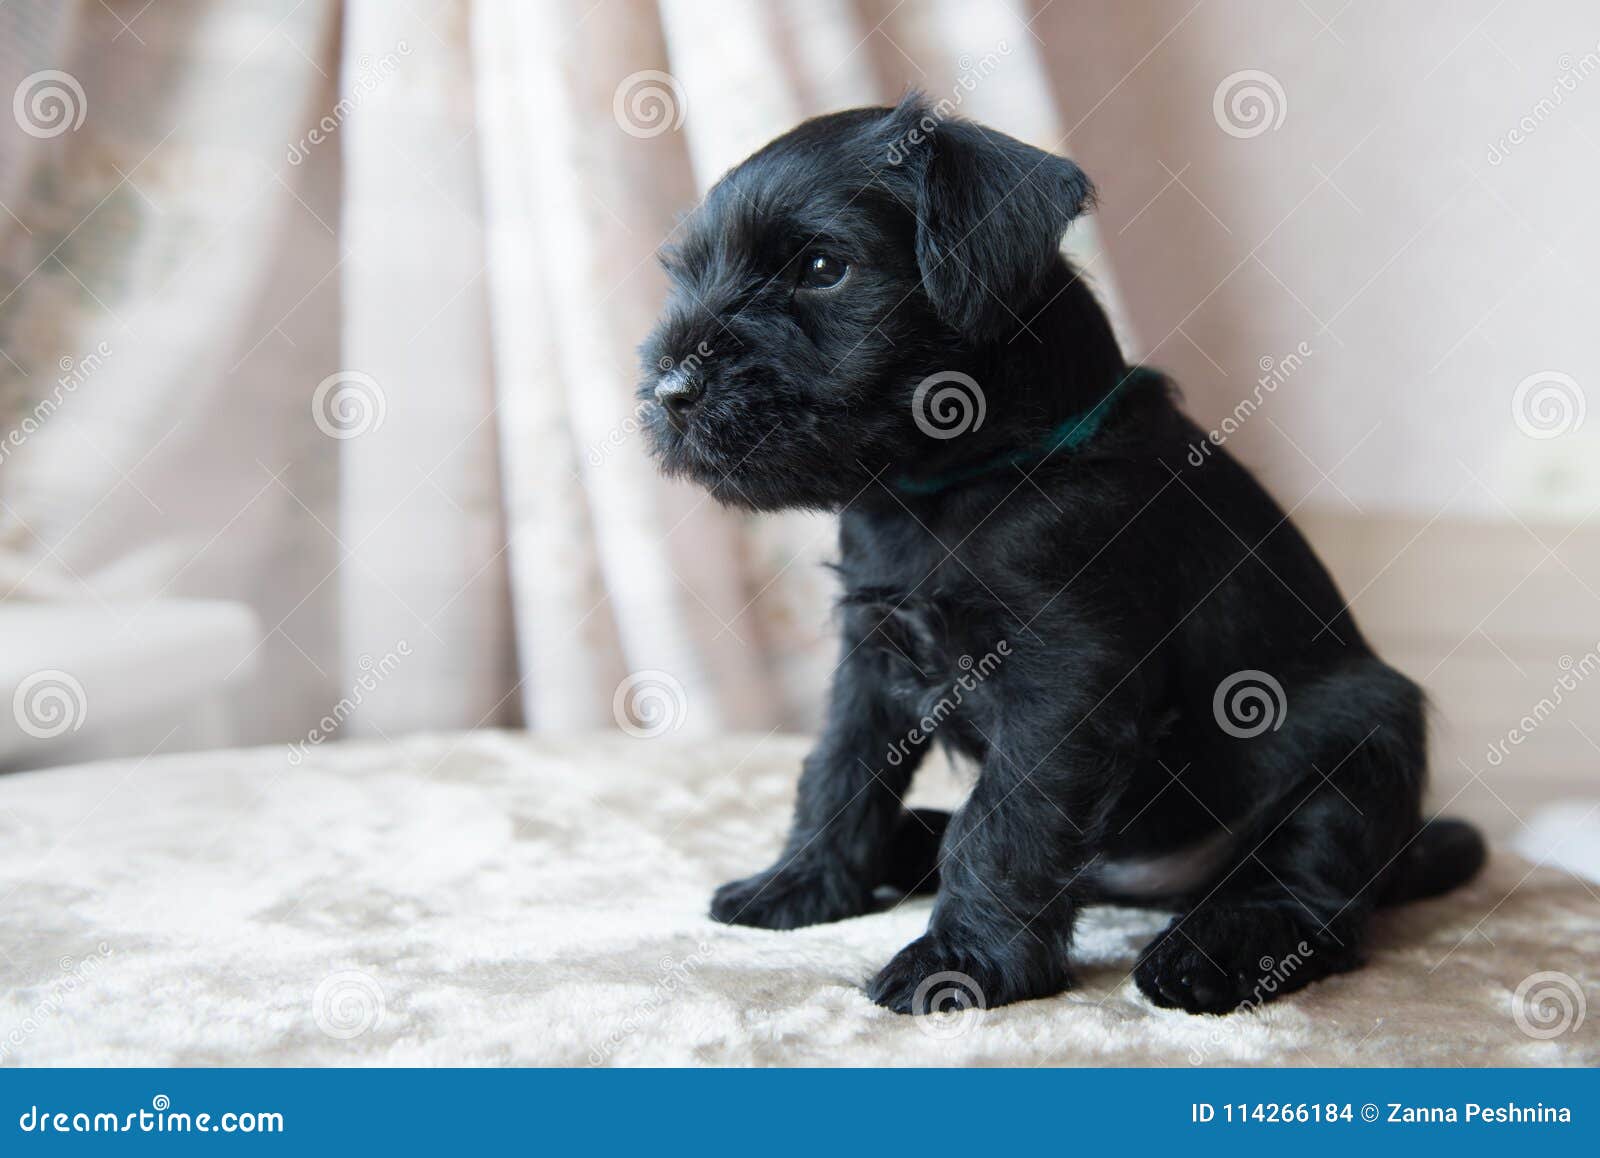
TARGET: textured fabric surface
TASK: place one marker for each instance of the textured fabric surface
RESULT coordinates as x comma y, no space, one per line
494,898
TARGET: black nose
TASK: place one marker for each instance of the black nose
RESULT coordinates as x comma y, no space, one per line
678,391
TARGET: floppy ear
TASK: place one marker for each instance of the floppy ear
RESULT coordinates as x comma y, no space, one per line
990,215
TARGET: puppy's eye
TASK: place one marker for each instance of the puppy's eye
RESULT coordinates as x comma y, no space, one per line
821,270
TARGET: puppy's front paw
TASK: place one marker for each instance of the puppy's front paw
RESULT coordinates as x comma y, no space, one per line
935,975
1223,958
789,897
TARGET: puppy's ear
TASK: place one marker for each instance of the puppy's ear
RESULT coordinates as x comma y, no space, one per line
990,215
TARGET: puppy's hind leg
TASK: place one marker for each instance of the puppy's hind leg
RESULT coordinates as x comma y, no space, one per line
1293,906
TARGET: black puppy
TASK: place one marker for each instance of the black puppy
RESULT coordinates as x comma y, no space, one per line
872,316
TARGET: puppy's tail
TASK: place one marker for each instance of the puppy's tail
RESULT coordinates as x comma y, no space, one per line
1444,855
912,864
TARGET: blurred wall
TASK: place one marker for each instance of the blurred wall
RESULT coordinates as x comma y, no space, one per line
1372,206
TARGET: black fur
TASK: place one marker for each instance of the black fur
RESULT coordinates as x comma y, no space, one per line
1111,586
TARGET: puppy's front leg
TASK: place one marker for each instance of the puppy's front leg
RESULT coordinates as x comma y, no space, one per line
1002,925
846,814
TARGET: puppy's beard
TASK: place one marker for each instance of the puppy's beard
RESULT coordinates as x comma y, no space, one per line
749,478
685,452
733,482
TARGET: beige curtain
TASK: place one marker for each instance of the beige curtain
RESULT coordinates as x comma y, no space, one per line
421,513
600,125
371,277
165,305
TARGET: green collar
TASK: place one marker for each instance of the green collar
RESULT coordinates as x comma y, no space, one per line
1069,435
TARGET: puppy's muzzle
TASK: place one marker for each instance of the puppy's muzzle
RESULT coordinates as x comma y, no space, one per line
678,391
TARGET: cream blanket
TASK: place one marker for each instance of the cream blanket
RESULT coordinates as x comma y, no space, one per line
491,899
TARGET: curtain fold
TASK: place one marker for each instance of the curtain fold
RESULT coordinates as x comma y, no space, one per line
622,579
164,293
370,280
421,528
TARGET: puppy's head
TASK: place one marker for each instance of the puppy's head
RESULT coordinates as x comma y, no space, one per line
827,276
